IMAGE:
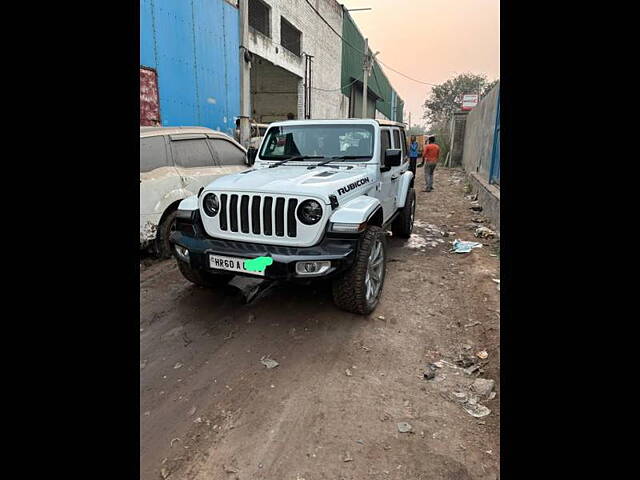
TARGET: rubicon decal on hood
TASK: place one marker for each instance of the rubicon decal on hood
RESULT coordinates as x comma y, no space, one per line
351,186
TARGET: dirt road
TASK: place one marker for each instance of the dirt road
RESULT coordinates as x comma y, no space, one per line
210,410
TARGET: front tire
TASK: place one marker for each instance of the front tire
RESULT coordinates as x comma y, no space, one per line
168,225
359,289
203,278
402,226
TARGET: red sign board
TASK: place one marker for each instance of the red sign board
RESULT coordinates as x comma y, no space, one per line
149,104
469,101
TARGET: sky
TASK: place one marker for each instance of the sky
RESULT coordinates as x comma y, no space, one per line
430,40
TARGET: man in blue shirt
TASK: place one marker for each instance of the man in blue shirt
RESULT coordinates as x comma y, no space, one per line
413,154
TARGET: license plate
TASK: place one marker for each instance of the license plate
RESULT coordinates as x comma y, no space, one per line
232,264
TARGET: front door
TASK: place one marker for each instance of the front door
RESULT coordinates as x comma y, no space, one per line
386,195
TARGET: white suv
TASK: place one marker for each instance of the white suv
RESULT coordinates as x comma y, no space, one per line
175,162
316,204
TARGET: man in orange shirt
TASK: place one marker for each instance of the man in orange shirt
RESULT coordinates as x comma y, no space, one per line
430,158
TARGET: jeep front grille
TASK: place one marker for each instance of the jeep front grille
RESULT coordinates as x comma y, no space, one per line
258,214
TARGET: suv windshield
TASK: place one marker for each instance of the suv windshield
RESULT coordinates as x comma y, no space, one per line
353,141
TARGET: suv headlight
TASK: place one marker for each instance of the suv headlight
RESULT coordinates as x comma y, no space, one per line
210,204
310,212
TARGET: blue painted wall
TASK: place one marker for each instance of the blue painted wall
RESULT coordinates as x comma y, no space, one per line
194,47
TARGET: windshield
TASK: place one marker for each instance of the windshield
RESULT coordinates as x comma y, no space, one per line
325,140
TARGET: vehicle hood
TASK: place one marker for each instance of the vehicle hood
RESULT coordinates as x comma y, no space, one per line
319,182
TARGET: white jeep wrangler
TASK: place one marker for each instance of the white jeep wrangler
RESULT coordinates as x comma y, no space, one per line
315,204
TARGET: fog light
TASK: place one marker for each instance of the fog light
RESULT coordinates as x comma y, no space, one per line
182,253
312,268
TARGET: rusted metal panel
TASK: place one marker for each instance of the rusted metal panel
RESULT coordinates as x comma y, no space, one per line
149,102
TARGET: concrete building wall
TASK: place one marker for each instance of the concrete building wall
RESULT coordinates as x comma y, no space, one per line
274,92
317,40
478,135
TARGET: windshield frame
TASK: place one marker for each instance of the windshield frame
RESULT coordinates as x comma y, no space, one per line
262,156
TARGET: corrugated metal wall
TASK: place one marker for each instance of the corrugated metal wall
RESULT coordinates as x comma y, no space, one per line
352,69
193,45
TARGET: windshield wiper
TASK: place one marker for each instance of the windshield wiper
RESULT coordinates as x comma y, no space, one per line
297,157
339,157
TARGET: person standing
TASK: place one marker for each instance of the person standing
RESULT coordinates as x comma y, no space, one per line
430,158
413,155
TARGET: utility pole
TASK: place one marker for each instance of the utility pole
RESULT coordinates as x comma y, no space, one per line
365,77
245,75
366,68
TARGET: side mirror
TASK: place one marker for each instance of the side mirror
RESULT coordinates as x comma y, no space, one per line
392,157
251,156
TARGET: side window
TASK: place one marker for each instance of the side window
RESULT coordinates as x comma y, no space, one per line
191,152
228,153
385,143
396,141
153,153
405,147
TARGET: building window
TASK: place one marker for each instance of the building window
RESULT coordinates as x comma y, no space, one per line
259,14
290,37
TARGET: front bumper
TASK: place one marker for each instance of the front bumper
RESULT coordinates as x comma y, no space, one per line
189,234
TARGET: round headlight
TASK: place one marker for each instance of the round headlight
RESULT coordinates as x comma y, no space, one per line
210,204
309,212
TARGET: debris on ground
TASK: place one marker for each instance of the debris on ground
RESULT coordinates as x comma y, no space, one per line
496,280
269,362
484,232
472,324
191,411
475,206
465,361
164,473
430,371
459,396
475,409
173,440
348,373
347,457
483,388
177,366
482,354
472,369
404,427
464,247
380,317
469,401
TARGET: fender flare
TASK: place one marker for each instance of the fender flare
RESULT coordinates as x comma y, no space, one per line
170,198
356,210
403,188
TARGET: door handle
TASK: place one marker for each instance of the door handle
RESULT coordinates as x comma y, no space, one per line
395,177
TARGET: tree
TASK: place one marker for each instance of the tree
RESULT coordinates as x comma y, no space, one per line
446,98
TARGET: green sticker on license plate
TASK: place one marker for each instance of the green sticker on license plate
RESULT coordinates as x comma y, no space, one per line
257,264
